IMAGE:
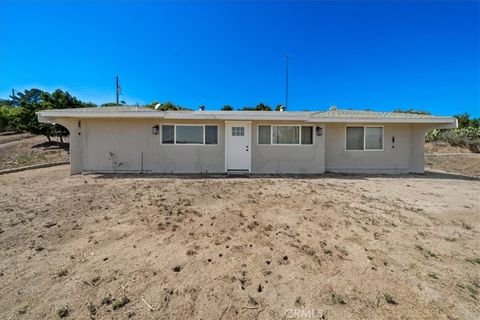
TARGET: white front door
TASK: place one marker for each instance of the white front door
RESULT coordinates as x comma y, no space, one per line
237,145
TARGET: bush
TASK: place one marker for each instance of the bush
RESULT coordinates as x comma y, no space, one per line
9,118
465,137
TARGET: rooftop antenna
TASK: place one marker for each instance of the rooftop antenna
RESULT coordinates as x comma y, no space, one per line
286,80
117,89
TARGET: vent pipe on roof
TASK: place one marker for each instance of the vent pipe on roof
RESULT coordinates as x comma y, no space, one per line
201,108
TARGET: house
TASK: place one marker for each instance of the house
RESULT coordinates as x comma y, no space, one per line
128,139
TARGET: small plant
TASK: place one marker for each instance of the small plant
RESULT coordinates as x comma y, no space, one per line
62,273
92,309
472,290
336,299
117,304
63,312
473,260
342,250
425,252
388,297
433,275
370,258
191,252
467,226
107,300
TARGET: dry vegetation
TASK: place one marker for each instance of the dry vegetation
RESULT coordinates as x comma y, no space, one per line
32,150
106,247
442,156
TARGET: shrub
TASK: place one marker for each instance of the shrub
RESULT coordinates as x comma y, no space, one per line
466,137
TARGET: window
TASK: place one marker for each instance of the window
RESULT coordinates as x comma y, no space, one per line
238,131
374,138
264,134
211,134
307,135
354,138
168,134
280,134
364,138
189,134
286,135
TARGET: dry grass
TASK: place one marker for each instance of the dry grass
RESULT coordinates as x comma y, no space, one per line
33,150
348,246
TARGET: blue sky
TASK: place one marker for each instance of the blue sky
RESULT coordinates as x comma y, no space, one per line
376,55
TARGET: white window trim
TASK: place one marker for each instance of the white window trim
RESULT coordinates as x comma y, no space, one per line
286,144
365,136
190,125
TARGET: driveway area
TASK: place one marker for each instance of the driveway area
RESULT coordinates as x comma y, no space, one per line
164,247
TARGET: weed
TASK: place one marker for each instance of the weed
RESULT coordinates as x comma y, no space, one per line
388,297
370,258
107,300
117,304
467,226
473,260
191,252
342,250
336,299
62,273
425,252
472,290
92,309
433,275
327,251
63,312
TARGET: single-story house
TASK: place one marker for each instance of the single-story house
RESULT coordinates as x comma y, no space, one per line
129,139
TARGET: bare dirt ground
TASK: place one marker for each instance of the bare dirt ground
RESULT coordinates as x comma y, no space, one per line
340,246
441,156
6,137
31,150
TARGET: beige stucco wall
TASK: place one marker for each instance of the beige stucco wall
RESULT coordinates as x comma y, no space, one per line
304,159
403,156
128,145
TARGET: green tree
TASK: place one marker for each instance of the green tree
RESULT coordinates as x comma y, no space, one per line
412,111
227,108
109,104
259,107
464,121
278,107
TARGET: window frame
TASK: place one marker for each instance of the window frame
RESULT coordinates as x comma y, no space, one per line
365,137
286,144
175,125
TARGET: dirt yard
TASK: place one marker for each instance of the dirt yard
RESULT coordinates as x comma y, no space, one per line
441,156
337,247
31,150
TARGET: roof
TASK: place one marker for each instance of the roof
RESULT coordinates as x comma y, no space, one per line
307,116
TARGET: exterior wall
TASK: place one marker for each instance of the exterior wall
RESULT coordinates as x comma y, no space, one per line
128,145
403,156
303,159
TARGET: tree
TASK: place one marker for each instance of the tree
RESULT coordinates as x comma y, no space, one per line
262,107
227,108
464,121
109,104
412,111
259,107
278,107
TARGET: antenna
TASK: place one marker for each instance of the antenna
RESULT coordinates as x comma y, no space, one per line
117,90
286,81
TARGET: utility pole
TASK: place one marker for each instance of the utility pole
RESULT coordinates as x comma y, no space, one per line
117,91
286,81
